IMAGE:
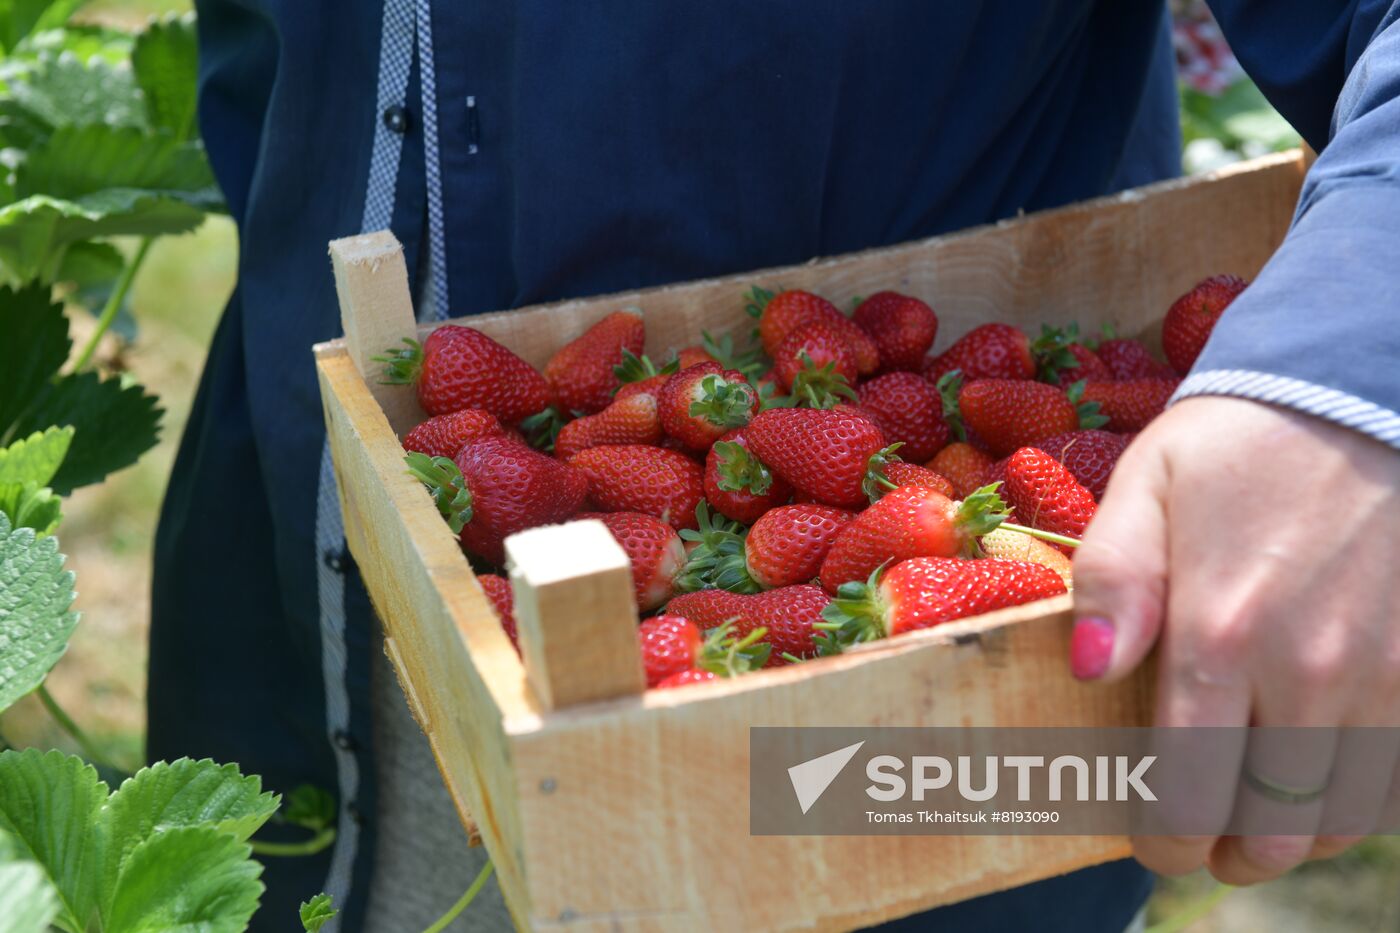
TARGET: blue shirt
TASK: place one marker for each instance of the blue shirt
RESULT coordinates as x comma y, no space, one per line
532,151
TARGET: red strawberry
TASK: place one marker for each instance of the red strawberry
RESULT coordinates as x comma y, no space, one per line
737,483
1089,455
1047,496
996,473
964,465
992,351
927,591
909,411
816,365
779,315
630,420
897,473
1061,358
687,678
788,614
654,550
783,548
638,478
1129,406
502,599
670,645
1012,413
460,367
1192,317
687,357
496,487
444,435
909,522
580,374
822,453
699,405
1130,359
902,327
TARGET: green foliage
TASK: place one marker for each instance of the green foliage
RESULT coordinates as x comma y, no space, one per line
166,64
1239,117
28,903
26,467
166,851
310,807
316,913
36,594
18,18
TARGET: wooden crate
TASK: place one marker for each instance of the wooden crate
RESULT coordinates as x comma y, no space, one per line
605,808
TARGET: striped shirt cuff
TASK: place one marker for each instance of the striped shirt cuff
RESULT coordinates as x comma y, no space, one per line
1330,404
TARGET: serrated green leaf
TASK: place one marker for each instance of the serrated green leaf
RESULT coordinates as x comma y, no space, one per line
191,878
35,458
175,794
90,264
35,620
28,903
166,61
310,807
18,18
114,423
84,41
77,161
30,505
49,802
62,90
316,913
33,345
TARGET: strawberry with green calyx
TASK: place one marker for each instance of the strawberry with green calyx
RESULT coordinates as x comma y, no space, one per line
902,327
702,403
782,313
909,410
631,420
1008,414
817,348
928,591
710,545
674,654
1046,496
722,350
910,522
1061,355
949,387
640,478
444,435
821,453
737,484
783,548
894,473
1192,317
496,487
816,386
581,374
654,550
787,614
1128,406
542,429
638,368
460,367
991,351
963,465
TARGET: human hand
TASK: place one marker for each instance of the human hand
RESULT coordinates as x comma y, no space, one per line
1262,546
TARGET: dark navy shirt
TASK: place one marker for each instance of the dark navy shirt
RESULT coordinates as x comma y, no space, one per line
539,149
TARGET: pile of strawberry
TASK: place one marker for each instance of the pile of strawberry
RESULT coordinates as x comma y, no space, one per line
834,485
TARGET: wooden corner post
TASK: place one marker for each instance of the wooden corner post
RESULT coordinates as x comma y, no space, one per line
376,311
576,612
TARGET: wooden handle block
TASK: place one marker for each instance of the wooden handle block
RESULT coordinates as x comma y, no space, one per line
376,311
576,613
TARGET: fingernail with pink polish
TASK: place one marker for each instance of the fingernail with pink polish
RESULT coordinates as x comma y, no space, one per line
1090,648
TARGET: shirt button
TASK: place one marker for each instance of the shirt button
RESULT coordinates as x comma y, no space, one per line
344,741
396,118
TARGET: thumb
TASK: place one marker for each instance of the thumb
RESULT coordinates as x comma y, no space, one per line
1120,569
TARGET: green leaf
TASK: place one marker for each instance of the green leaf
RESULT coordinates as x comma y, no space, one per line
309,806
115,422
61,90
85,42
28,903
34,458
316,913
35,619
18,18
191,878
33,345
30,505
48,804
166,62
88,265
77,161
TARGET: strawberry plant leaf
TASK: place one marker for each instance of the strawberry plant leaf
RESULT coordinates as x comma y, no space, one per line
28,903
35,458
186,878
77,161
114,423
30,505
18,18
317,912
309,806
48,803
90,265
36,594
33,345
63,90
176,794
165,60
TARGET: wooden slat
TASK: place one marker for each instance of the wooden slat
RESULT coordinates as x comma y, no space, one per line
576,613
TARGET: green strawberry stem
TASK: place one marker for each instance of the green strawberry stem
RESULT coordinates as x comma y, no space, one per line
448,487
876,483
719,561
1043,535
949,386
982,512
722,403
757,301
749,362
820,387
542,428
741,470
727,656
1089,416
114,303
1051,352
634,368
401,366
857,614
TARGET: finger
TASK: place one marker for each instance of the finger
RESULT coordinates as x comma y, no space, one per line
1360,784
1120,570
